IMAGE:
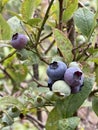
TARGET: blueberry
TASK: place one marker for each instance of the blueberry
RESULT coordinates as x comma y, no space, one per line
56,70
39,101
19,41
76,89
74,64
74,77
62,88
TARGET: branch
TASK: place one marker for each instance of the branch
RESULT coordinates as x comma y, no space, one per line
40,57
46,37
11,54
60,14
84,51
80,4
32,119
5,72
71,31
36,76
51,45
44,21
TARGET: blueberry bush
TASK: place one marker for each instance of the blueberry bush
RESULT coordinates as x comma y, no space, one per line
48,63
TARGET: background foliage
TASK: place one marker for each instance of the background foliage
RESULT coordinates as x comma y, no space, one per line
57,30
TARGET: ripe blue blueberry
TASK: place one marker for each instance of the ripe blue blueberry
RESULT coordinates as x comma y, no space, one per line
76,89
56,70
19,41
74,77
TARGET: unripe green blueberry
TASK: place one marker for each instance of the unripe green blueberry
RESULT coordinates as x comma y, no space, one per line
13,112
7,120
80,39
87,3
39,101
74,64
61,88
53,96
19,41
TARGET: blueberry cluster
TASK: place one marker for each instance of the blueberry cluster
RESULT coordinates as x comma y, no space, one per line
72,75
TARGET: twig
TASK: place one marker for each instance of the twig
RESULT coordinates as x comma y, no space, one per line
46,37
31,118
71,31
80,4
36,76
60,14
11,54
80,56
75,49
36,81
27,33
51,45
39,84
40,57
36,125
5,72
44,21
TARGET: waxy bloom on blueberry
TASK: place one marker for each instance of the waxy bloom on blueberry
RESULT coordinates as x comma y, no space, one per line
56,70
74,78
19,41
62,88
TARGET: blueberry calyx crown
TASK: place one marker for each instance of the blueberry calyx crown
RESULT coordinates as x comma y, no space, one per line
54,65
77,75
15,36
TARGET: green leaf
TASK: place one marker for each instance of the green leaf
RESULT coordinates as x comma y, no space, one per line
8,101
18,72
28,7
34,21
64,45
5,31
33,58
95,104
68,123
6,119
84,20
56,122
55,10
70,7
70,105
53,117
15,14
15,25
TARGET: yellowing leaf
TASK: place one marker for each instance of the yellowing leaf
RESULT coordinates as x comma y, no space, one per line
64,45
